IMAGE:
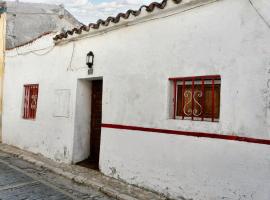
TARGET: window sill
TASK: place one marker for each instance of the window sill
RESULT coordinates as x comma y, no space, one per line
28,119
196,119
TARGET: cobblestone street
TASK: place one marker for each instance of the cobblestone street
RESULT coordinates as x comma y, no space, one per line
20,180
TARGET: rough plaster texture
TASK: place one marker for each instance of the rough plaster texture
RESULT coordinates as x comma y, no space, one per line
47,134
81,148
186,167
226,37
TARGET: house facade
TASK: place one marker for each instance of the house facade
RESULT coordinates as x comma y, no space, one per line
175,98
21,23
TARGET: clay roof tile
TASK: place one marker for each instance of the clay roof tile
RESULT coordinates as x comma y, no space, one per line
150,8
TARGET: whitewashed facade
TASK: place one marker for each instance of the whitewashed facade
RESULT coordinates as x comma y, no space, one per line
135,59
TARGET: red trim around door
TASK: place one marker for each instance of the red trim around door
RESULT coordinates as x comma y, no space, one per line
188,133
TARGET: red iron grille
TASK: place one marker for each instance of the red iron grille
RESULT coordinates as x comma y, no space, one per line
30,101
196,98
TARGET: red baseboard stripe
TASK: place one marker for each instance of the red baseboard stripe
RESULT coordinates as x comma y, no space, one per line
187,133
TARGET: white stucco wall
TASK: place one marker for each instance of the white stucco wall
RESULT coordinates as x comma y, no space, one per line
81,147
186,167
225,37
47,134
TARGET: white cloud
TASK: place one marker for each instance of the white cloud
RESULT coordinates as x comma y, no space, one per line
92,12
87,11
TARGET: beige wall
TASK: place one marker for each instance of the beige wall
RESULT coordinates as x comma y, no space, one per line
2,61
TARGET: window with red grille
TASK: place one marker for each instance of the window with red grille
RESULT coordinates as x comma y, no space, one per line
30,101
197,98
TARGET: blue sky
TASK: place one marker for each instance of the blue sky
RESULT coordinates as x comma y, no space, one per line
88,11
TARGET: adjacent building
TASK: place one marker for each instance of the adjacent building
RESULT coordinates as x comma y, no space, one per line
3,10
173,97
28,21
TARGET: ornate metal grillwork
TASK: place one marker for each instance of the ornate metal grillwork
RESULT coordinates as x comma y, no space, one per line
197,98
30,101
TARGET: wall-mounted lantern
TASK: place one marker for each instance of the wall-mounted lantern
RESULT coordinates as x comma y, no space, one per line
90,59
90,62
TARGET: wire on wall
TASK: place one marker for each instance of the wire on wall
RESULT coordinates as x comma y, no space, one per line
259,14
71,58
50,48
41,54
69,68
36,13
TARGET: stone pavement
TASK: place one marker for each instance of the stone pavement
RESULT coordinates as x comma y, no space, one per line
99,182
22,180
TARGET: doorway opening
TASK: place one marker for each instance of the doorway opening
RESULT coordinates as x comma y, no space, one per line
95,126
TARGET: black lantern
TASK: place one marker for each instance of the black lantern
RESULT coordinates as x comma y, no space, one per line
90,59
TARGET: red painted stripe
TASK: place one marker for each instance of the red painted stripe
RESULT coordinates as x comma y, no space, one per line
188,133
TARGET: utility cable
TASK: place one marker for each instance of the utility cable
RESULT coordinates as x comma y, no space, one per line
259,14
71,58
37,13
33,51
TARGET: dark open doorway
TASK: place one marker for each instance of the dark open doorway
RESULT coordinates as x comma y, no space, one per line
95,126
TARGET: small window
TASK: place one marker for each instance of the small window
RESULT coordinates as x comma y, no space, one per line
197,98
30,101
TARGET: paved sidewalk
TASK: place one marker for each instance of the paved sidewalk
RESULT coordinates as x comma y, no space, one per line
21,180
110,186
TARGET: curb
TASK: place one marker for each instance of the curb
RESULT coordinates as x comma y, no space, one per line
76,178
79,179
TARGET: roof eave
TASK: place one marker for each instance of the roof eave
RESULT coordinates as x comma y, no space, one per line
171,9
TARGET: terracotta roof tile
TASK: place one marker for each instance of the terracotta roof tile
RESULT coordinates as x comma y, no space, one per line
150,8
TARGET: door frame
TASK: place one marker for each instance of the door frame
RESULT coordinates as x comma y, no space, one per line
82,117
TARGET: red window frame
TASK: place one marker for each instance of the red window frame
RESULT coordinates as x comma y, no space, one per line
212,82
30,101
